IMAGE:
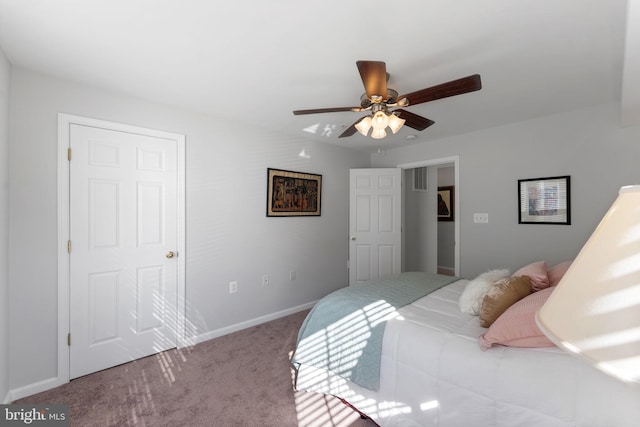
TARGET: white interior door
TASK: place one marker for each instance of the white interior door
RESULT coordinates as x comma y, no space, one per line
123,229
374,223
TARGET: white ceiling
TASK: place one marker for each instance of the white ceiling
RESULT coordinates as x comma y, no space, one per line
254,61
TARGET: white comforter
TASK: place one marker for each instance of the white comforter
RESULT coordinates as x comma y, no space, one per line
433,373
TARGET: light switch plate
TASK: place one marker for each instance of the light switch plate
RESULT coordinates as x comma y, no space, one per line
481,218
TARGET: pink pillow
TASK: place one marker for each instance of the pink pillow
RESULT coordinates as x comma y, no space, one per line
556,272
516,327
537,272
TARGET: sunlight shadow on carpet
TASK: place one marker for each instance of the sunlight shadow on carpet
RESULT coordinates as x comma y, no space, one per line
319,410
139,403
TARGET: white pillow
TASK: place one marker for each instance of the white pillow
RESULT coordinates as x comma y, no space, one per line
471,299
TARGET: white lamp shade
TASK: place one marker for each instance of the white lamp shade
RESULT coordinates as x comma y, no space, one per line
380,120
378,133
364,125
595,310
395,123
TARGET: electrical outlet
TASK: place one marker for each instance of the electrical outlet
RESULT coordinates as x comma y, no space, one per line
233,287
292,275
265,280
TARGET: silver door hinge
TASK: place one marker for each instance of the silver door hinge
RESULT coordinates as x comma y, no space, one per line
69,153
69,246
69,340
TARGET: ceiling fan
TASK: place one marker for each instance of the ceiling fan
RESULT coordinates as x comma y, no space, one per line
382,101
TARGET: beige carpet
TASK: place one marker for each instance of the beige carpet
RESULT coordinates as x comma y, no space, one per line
242,379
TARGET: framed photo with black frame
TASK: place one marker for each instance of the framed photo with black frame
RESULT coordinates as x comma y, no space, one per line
544,200
445,203
292,193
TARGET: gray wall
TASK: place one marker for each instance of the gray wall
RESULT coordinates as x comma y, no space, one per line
5,73
588,144
415,234
228,236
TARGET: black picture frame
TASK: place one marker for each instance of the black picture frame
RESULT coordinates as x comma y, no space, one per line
291,193
545,200
446,199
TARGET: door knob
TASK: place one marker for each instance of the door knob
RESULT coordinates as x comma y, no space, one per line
170,254
353,237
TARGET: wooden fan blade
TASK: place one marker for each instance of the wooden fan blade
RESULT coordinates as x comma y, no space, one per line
444,90
325,110
350,130
374,78
413,120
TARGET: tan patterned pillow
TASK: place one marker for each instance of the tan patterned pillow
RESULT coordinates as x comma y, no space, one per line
502,295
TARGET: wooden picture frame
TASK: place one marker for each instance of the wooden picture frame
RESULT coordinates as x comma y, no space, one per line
291,193
544,200
445,203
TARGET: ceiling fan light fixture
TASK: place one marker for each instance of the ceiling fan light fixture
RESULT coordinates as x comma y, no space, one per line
378,133
395,123
364,125
380,120
380,100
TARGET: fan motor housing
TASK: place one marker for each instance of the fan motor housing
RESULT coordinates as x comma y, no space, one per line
392,95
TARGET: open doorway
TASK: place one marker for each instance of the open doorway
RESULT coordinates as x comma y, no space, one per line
429,244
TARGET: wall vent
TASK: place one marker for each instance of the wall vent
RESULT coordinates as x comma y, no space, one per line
420,179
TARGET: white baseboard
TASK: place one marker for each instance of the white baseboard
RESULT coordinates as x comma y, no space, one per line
446,270
30,389
206,336
50,383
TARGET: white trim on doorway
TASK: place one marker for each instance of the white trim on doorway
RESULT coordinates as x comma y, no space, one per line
64,123
455,160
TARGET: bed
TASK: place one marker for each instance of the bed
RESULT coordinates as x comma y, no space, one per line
431,371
